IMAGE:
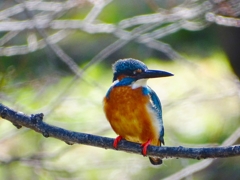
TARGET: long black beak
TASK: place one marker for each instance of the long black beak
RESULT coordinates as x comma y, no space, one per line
153,74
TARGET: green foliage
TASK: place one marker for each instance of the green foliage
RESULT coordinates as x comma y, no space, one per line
200,103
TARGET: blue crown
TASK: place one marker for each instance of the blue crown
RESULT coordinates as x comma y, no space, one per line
127,67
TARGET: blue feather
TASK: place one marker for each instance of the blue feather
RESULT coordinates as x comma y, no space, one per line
125,82
156,106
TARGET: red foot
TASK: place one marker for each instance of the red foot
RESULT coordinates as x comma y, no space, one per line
144,147
116,141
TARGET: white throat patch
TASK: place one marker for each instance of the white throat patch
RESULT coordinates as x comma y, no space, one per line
139,83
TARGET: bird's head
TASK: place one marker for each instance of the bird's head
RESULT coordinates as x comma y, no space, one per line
135,69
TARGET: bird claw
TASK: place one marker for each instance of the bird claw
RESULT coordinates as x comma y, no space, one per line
144,147
116,141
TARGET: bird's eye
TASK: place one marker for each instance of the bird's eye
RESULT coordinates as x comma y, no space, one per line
138,71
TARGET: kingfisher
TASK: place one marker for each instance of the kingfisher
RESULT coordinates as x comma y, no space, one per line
132,108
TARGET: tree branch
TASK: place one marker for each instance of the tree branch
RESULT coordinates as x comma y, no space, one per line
35,122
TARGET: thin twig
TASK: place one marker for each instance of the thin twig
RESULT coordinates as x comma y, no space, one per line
189,170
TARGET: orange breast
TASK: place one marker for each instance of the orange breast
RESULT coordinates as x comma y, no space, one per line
130,115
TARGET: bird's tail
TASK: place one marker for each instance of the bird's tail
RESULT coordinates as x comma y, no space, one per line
155,160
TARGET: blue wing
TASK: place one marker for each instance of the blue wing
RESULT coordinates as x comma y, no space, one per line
156,106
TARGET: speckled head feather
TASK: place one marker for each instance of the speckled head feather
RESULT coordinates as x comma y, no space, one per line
127,67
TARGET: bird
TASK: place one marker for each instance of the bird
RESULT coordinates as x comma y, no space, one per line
132,108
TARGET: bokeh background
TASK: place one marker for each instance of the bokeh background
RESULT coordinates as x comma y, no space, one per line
56,57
